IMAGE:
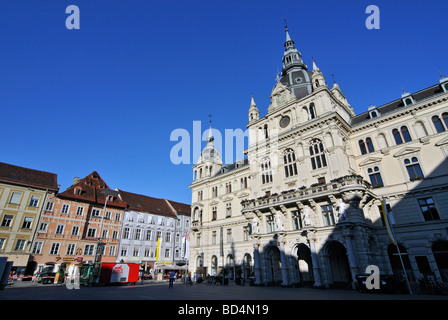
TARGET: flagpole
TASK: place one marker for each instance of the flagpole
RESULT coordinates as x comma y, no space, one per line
392,238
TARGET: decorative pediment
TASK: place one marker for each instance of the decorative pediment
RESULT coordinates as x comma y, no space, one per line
226,199
214,202
243,194
369,161
405,151
280,95
442,142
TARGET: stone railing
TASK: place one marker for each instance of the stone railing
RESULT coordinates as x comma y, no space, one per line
338,185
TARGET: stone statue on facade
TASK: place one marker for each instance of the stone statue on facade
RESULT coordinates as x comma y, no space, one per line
255,223
278,221
306,217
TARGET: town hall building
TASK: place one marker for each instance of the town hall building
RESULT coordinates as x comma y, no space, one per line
304,206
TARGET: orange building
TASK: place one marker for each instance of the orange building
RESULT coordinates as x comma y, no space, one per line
74,223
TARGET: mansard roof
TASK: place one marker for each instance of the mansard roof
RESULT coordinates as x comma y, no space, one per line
398,104
232,167
28,177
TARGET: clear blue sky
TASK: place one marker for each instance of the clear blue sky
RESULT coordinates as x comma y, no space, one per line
106,97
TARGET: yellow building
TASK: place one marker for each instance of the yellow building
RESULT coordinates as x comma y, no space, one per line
23,193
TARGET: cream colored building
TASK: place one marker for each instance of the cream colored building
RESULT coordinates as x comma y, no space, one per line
304,207
23,194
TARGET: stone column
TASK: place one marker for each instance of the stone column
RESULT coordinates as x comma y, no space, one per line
257,265
351,254
316,269
284,264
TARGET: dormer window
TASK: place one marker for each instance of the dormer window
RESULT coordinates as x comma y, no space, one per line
373,112
407,99
444,84
77,190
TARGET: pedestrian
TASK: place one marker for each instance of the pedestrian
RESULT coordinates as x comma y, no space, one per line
172,278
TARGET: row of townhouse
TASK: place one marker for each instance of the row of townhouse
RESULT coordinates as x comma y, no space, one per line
86,223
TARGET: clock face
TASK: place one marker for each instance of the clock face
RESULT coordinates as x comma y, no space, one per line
284,121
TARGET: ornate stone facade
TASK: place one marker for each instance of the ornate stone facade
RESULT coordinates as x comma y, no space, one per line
303,207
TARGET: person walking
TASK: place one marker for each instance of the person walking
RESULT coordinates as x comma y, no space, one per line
172,278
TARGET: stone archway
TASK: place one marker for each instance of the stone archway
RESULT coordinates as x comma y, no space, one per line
273,266
339,268
305,265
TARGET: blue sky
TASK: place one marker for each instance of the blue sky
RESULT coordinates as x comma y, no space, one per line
106,97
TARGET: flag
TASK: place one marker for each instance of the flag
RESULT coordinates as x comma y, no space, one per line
158,248
387,222
187,246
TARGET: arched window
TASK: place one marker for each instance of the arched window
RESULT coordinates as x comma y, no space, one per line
445,119
266,172
318,159
405,134
289,159
362,146
402,135
375,177
438,124
312,111
413,167
369,145
366,146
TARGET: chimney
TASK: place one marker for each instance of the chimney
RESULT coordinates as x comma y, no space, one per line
75,180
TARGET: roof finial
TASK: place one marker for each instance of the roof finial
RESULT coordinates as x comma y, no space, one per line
210,136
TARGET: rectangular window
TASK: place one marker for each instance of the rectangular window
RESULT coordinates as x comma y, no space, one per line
167,253
126,233
115,234
71,249
428,209
117,216
89,249
43,226
136,251
34,202
37,247
75,230
65,208
112,250
296,220
7,220
15,198
27,223
228,210
50,206
95,212
91,233
20,245
2,243
168,237
124,251
137,234
229,235
79,211
270,223
54,248
60,229
327,212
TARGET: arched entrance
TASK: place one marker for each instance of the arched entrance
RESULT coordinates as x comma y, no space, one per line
440,252
305,265
273,266
247,266
340,276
